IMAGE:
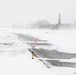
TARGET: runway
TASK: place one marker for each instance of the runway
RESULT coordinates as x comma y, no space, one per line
50,54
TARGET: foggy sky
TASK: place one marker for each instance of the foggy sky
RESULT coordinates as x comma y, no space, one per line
30,11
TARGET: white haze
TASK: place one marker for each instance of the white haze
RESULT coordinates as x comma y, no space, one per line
29,11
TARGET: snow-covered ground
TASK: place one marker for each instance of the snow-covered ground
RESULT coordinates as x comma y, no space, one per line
62,40
22,64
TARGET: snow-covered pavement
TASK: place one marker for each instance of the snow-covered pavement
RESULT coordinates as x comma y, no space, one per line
22,64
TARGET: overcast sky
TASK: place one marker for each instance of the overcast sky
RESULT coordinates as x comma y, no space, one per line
29,11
